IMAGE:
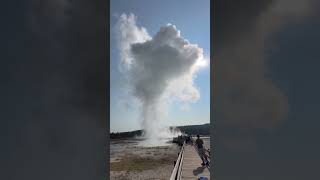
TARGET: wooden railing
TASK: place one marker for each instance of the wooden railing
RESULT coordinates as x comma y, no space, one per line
176,173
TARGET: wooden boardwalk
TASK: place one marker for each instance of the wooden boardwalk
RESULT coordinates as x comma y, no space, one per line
191,165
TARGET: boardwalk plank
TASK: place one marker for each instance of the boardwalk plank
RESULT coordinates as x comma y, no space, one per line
191,167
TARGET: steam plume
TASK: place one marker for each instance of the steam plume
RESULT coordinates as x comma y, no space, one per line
159,69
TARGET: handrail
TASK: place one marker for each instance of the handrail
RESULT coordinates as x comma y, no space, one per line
176,173
180,166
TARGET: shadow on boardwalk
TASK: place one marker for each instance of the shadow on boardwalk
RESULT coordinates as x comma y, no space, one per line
199,170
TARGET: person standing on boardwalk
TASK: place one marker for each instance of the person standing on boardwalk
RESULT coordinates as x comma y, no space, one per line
199,143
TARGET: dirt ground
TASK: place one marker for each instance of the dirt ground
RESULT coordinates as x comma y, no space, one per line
160,173
140,163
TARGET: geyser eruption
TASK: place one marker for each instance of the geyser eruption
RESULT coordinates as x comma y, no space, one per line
158,69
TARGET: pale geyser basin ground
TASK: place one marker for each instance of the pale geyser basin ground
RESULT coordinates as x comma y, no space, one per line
133,159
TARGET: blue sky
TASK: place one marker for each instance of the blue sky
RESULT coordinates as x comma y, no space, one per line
192,18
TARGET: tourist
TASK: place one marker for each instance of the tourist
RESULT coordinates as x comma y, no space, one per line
201,150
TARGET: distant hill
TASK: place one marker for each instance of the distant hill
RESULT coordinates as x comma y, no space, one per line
125,134
203,129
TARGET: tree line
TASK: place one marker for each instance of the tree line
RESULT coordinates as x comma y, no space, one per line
203,129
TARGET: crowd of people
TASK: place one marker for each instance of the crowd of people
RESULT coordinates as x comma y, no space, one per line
198,143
